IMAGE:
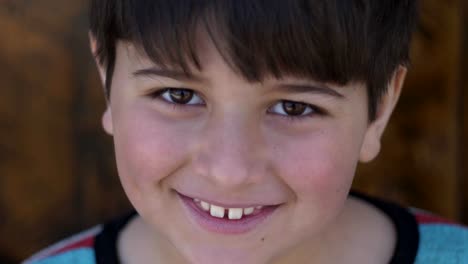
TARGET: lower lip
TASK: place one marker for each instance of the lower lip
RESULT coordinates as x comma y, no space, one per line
223,225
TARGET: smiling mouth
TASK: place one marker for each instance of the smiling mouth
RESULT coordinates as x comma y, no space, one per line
230,213
219,219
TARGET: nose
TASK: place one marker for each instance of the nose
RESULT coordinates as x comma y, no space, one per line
230,153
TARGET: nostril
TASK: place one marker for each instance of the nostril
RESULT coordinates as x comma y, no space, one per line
227,161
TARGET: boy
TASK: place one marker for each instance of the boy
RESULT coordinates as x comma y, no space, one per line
238,125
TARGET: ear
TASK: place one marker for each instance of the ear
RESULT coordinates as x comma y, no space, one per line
371,144
93,45
107,116
107,121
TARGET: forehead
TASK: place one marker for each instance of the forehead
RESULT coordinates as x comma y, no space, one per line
214,70
212,63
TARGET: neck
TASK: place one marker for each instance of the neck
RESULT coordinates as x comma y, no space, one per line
360,234
138,243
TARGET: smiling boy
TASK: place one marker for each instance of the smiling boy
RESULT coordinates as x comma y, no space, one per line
238,126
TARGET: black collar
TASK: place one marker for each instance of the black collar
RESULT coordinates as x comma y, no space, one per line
105,245
406,226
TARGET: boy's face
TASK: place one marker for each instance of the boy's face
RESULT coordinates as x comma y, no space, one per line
236,144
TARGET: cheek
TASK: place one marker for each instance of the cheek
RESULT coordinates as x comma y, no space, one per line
148,148
320,166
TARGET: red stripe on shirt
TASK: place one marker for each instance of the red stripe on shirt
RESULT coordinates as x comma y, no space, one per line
87,242
432,219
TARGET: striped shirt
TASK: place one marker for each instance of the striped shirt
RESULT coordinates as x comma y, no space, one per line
422,238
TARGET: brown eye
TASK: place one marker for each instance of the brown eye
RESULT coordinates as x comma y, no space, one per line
294,108
180,96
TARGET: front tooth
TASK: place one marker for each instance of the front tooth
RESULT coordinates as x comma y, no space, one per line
217,211
235,213
248,211
205,206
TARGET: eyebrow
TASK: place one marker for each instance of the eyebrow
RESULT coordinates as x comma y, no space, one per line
187,77
305,88
173,74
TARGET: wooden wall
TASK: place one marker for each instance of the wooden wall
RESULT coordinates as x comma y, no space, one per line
422,154
57,166
463,115
58,173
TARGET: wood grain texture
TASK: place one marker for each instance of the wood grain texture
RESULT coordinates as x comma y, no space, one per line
463,115
36,137
57,165
58,174
418,162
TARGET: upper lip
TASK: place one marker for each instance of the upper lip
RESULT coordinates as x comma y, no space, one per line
229,204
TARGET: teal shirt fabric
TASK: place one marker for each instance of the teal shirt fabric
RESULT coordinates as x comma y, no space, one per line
439,242
75,256
442,244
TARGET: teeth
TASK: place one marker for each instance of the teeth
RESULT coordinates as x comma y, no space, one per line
205,206
235,213
248,211
217,211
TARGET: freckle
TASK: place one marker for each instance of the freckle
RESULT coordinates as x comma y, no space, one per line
263,239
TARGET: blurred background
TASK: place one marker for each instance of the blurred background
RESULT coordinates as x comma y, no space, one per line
57,171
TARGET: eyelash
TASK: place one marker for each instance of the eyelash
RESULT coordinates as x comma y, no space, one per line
157,95
315,111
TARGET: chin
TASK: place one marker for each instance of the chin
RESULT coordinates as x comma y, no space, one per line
227,256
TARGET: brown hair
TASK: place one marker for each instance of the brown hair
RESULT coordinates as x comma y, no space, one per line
334,41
